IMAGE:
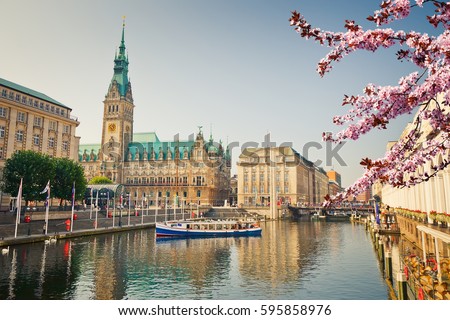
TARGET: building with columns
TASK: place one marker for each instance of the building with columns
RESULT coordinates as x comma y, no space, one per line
154,171
432,195
297,180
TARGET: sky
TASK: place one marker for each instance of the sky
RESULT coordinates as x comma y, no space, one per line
234,67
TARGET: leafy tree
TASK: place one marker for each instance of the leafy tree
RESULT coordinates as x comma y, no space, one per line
36,170
100,180
426,90
66,173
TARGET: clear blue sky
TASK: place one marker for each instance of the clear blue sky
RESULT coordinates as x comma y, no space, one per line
235,66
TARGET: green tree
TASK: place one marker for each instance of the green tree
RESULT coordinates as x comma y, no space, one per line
100,180
36,169
66,173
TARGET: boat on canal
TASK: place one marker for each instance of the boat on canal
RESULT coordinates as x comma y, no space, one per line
207,228
337,216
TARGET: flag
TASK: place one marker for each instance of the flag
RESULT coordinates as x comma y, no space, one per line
377,213
19,207
47,189
19,193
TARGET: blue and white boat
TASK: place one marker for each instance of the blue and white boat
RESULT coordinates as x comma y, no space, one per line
207,228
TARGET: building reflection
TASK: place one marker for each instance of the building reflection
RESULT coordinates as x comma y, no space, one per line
132,265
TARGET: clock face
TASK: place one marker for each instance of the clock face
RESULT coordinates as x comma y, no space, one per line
112,127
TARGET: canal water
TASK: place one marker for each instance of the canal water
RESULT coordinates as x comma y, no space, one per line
298,260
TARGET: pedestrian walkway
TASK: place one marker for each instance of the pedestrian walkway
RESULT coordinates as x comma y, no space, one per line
83,225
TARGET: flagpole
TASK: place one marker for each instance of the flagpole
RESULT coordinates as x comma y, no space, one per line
142,210
107,205
73,207
96,209
165,209
90,214
129,207
47,207
19,207
114,208
157,205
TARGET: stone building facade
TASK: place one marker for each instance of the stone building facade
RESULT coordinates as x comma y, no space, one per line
31,120
297,180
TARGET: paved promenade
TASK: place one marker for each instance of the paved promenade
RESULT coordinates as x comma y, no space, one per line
84,225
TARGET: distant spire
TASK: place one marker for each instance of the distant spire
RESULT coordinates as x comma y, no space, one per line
210,132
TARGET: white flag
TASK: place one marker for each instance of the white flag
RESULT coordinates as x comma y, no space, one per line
47,187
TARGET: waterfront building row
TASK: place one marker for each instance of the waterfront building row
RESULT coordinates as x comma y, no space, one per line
192,171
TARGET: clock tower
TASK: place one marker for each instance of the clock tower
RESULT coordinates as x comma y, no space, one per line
118,110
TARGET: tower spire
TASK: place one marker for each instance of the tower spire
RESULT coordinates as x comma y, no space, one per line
121,65
122,43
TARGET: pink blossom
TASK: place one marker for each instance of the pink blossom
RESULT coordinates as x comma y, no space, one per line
378,105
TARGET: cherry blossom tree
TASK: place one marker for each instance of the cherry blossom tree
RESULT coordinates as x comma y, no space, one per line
378,105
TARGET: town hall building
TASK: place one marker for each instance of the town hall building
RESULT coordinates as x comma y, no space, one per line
196,171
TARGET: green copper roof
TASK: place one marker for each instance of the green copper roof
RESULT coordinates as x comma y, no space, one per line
88,149
121,67
145,137
30,92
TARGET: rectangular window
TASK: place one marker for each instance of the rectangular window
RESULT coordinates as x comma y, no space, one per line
17,97
24,99
2,131
67,129
2,112
11,95
21,116
261,189
19,135
37,121
52,125
36,103
286,189
65,145
41,105
4,93
47,107
30,102
62,112
51,142
1,152
57,110
36,139
52,109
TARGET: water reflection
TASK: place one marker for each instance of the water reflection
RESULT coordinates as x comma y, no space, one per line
291,260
